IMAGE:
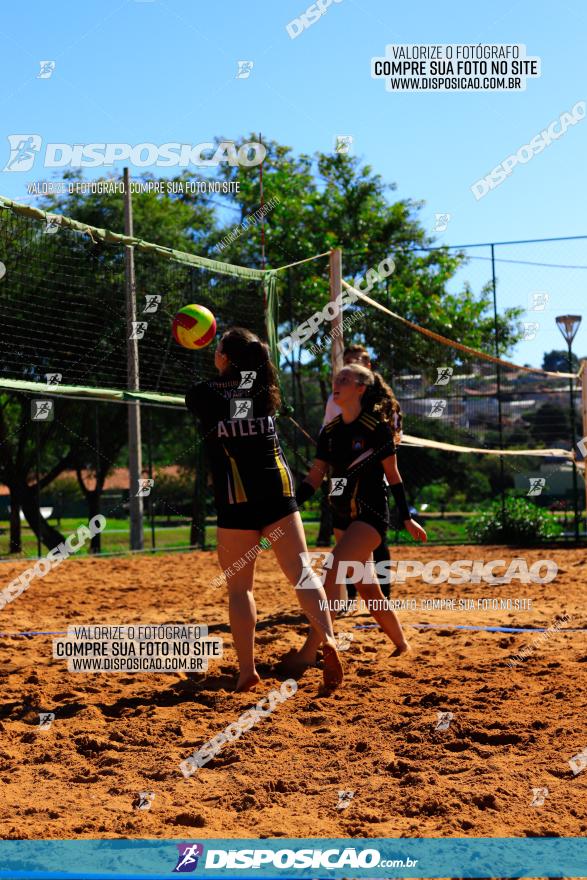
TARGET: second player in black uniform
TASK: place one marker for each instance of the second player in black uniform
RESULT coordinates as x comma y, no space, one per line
358,354
357,448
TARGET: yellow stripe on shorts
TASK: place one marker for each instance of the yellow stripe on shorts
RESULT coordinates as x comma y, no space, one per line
286,481
239,489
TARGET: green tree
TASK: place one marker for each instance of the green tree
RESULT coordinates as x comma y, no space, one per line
557,361
20,441
438,495
95,446
551,423
160,218
332,200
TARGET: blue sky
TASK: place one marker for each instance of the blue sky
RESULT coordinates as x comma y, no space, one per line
165,71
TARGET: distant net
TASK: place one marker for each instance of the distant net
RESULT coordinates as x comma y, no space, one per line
467,391
470,416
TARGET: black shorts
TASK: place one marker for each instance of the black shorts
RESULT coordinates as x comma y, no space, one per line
379,522
255,516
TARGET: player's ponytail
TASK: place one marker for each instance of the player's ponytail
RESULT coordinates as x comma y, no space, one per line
397,419
247,353
384,402
378,398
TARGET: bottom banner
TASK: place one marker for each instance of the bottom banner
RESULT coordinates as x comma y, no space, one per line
313,858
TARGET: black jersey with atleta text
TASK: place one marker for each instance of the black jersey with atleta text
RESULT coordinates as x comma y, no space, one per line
355,452
242,445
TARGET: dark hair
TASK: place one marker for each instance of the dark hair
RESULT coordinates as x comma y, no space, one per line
397,418
378,398
246,351
356,349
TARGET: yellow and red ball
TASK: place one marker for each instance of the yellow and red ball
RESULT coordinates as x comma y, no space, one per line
194,326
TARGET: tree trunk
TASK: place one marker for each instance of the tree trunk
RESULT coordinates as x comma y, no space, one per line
50,537
15,526
323,391
94,498
198,524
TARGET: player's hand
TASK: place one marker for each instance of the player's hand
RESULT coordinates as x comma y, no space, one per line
415,530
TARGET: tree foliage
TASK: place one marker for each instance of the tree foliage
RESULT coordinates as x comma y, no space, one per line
557,361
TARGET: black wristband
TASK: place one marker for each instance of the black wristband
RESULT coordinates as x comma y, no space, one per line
401,502
303,492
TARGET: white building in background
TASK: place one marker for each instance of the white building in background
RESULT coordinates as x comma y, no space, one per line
558,476
514,409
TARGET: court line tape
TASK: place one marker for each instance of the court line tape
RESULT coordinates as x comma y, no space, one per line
505,629
62,632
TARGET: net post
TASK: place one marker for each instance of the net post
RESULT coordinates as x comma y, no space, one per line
96,540
335,268
198,510
583,375
335,265
38,479
200,537
151,506
135,465
499,407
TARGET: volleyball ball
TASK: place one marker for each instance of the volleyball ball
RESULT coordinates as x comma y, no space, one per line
194,326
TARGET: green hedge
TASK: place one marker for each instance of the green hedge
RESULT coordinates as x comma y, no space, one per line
519,522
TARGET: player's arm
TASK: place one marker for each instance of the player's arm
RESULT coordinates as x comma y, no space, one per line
311,481
399,496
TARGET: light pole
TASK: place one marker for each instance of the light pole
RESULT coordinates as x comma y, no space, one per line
568,326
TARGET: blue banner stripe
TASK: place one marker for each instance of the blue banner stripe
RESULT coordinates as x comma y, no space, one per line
304,858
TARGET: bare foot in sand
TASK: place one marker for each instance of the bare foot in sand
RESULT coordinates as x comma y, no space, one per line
331,667
401,649
247,683
293,662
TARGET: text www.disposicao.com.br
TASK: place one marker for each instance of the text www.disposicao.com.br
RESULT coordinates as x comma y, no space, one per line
136,664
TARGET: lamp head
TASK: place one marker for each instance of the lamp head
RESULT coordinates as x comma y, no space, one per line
568,326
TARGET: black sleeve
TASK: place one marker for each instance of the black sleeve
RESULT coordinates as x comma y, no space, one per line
401,501
323,447
383,442
304,492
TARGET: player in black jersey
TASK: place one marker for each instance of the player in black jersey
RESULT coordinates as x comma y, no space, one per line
254,493
358,447
358,354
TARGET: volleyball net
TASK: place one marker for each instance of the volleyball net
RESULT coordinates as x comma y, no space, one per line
64,310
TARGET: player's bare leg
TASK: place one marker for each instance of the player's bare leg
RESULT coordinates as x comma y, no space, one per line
290,550
242,612
353,545
371,594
